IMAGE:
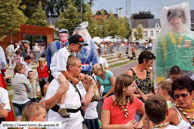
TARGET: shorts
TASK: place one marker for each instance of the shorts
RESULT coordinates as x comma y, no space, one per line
19,107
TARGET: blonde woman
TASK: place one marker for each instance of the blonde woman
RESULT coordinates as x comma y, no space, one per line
105,78
21,86
91,115
119,110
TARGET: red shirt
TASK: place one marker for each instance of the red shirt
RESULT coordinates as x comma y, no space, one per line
44,73
133,49
117,116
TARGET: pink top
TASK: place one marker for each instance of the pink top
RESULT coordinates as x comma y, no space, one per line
117,116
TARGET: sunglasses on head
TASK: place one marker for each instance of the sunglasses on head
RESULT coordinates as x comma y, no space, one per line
182,95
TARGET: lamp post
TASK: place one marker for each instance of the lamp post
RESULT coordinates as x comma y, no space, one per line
81,8
117,18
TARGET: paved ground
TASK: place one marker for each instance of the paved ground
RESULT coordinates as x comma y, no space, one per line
123,69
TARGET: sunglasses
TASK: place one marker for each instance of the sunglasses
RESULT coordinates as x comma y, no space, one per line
182,95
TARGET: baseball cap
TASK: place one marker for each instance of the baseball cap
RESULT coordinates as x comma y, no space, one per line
77,39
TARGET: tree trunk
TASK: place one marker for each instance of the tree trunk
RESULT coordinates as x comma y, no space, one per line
10,36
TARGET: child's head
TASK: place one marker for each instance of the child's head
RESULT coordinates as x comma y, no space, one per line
175,72
31,75
76,42
165,88
99,52
98,69
35,112
124,87
18,52
156,108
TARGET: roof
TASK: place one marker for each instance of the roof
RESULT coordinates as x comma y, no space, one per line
96,17
53,19
146,23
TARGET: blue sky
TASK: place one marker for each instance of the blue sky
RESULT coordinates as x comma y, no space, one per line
154,6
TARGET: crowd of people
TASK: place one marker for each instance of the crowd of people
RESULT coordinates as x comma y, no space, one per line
76,79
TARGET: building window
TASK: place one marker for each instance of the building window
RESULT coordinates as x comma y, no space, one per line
145,33
157,32
151,33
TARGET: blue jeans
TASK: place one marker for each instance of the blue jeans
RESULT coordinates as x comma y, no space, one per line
138,116
19,107
33,100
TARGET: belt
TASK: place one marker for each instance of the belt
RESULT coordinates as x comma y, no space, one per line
1,120
56,108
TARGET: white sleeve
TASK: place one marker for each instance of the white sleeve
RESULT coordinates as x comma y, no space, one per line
2,58
62,57
5,99
105,63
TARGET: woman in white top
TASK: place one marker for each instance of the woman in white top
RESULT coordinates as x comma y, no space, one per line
21,86
36,48
182,114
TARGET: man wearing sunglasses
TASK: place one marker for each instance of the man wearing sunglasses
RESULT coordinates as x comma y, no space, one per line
182,114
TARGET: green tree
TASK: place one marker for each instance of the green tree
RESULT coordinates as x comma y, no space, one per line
102,26
89,16
122,32
139,32
55,6
129,31
99,12
39,17
143,15
68,19
113,25
31,6
11,17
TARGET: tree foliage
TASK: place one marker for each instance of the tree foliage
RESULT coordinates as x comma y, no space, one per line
68,19
143,15
102,23
31,6
99,12
39,17
11,17
89,16
122,28
139,32
129,31
113,25
55,6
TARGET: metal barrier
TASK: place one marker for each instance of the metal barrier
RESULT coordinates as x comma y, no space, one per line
114,49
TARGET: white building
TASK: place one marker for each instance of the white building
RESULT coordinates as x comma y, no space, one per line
151,28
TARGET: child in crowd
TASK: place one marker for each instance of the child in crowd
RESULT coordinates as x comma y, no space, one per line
59,63
35,112
91,115
120,56
156,111
175,72
165,90
34,92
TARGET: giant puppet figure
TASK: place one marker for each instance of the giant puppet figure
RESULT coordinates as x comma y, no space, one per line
88,54
56,45
175,44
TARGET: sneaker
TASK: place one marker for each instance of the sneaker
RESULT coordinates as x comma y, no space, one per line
63,112
96,98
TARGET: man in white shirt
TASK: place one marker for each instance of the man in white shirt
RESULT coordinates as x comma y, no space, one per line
102,60
10,52
4,106
26,62
75,95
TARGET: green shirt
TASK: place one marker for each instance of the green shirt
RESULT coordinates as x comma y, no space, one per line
174,49
32,94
